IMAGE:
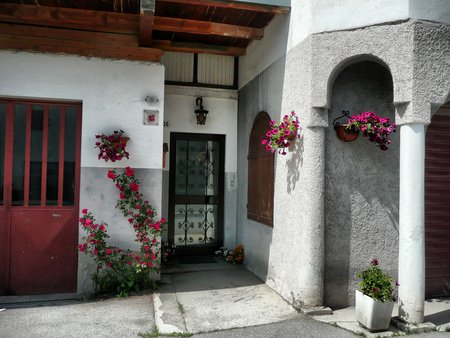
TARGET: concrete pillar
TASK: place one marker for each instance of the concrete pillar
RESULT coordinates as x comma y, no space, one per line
311,273
411,264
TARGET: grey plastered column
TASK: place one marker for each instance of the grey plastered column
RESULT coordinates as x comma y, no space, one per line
412,223
313,232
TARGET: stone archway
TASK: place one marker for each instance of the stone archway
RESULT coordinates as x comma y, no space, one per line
361,185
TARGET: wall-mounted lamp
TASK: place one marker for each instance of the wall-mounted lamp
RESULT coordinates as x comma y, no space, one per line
200,113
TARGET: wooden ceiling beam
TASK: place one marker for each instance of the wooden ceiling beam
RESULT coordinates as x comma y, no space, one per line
185,47
233,5
70,18
99,38
83,48
206,28
146,18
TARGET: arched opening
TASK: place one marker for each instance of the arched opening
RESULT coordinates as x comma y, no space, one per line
361,185
260,173
437,200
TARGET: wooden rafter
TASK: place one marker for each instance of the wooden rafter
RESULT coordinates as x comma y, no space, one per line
68,41
84,27
206,28
199,48
146,17
234,5
70,18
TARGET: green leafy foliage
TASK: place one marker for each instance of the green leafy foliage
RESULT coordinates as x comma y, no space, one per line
377,284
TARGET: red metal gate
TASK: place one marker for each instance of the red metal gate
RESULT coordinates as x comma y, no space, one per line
437,200
39,176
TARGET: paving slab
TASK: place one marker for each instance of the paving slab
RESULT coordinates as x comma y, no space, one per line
115,317
437,312
218,299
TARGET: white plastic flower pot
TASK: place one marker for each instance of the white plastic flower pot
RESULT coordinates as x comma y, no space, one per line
374,315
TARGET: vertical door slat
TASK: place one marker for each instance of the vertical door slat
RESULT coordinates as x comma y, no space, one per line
78,157
26,179
62,124
44,157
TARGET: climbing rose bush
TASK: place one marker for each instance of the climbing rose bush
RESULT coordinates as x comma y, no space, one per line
281,133
377,284
127,267
377,129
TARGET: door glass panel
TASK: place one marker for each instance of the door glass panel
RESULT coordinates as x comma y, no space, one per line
2,147
197,156
181,167
37,129
195,224
20,121
53,155
70,149
197,168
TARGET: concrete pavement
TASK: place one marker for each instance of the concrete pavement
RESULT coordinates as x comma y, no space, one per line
214,300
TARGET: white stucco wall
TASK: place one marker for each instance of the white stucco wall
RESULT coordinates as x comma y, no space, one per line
179,105
112,93
262,53
315,16
414,53
222,118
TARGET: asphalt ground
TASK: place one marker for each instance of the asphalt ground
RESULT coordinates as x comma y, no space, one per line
195,300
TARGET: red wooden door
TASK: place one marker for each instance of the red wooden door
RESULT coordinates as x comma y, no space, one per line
39,176
437,201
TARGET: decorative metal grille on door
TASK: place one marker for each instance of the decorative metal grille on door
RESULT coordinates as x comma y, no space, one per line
197,192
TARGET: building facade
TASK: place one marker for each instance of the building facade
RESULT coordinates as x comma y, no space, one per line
335,205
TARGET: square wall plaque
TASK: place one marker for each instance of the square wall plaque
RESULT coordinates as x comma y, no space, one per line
151,117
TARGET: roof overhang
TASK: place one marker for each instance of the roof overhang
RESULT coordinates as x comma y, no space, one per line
133,29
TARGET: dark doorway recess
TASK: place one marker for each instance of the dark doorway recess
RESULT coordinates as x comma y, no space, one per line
196,193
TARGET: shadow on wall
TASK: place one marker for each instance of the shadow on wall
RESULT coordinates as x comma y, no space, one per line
361,186
294,163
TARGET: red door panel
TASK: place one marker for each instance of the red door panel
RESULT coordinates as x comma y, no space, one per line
42,256
39,174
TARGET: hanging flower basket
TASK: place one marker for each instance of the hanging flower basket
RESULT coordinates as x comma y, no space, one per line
124,140
346,134
281,133
112,147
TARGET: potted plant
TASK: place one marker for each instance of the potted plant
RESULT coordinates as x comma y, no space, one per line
235,256
375,299
346,134
112,147
282,133
376,128
168,254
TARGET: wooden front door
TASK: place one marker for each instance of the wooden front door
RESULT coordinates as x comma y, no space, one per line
39,177
437,201
196,192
